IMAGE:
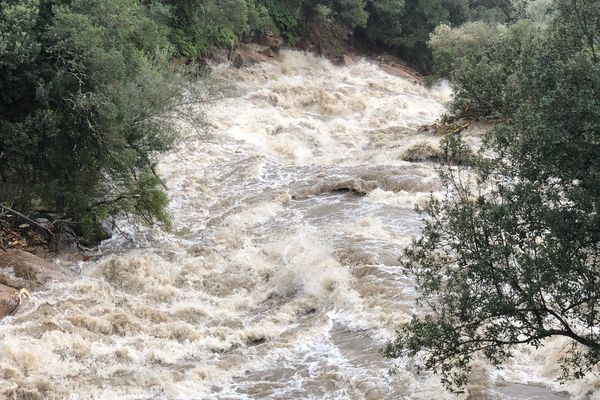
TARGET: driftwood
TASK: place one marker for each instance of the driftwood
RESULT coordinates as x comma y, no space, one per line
26,218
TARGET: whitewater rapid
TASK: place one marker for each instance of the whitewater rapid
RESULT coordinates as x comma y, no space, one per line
280,276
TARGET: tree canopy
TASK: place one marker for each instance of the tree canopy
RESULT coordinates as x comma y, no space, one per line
85,89
511,255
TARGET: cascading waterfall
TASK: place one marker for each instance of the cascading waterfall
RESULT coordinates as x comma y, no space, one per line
280,277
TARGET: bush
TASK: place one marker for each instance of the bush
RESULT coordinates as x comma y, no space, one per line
287,17
201,25
405,25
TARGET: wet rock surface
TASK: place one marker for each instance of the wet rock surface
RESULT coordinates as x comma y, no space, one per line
248,55
8,300
20,269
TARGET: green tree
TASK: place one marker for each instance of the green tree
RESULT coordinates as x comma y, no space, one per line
492,11
405,25
480,60
385,21
351,12
86,96
202,25
511,256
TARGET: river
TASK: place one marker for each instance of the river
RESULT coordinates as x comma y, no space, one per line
280,277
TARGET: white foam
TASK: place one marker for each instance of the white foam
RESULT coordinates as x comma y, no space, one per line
304,290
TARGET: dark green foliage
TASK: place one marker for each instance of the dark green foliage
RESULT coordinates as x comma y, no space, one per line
405,25
385,21
512,255
204,23
85,89
578,25
352,13
287,17
480,60
420,19
492,11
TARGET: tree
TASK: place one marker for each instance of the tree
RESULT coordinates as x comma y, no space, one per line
480,60
492,11
385,21
405,25
201,26
511,256
86,95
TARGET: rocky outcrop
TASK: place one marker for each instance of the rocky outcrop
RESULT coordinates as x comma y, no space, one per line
20,269
394,66
272,41
249,55
219,56
28,267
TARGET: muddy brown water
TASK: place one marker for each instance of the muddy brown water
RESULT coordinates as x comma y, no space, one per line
280,277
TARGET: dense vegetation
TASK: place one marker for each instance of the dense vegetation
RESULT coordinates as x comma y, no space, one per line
512,255
402,26
88,90
87,86
84,91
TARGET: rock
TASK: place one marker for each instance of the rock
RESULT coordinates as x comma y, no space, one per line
343,60
8,300
219,55
13,282
272,40
403,72
246,57
394,66
269,52
20,269
28,268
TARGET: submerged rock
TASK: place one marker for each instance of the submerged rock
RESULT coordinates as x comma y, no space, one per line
20,269
30,268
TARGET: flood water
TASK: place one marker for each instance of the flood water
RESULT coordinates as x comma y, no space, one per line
280,277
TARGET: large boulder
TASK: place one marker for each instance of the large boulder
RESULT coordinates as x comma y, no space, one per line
247,56
272,40
22,270
28,270
9,300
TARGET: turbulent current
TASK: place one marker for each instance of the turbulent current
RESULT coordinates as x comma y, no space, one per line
280,277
